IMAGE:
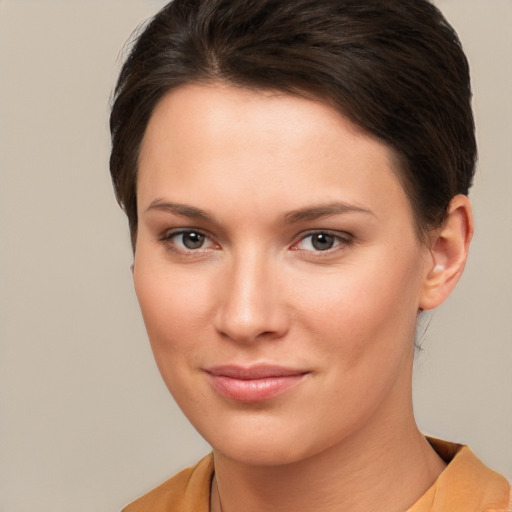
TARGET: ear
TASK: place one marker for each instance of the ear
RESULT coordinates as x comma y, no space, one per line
448,254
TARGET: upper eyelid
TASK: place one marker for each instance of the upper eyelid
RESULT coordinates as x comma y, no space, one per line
342,235
169,233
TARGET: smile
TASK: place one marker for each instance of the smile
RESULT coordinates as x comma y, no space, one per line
253,384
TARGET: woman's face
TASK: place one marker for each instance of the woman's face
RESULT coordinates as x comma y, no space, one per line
278,272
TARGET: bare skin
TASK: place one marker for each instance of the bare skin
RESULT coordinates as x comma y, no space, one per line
382,468
280,275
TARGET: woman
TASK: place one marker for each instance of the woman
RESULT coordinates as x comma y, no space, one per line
295,176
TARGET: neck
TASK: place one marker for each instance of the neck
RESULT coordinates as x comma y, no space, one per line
384,467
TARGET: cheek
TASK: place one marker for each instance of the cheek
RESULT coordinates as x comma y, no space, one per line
362,313
174,306
171,307
362,323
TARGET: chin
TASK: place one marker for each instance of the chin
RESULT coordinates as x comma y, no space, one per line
262,454
254,441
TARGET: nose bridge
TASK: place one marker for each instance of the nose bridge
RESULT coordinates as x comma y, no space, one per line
251,304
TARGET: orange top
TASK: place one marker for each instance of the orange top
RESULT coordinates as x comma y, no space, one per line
466,485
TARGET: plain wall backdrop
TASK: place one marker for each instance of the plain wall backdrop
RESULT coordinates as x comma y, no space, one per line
86,423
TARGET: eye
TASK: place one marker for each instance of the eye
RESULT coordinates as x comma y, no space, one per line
191,239
321,241
187,240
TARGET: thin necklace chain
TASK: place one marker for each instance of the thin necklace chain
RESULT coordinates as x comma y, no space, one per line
218,495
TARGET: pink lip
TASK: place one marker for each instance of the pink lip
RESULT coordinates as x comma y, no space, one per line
255,383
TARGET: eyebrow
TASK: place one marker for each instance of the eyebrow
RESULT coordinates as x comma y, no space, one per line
302,214
179,209
325,210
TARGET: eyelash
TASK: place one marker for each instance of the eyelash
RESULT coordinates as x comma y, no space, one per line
340,241
168,236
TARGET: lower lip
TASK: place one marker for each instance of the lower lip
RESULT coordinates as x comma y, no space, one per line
253,390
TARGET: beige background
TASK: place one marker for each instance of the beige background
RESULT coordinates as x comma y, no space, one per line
86,424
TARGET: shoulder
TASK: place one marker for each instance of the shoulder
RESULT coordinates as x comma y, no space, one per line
187,491
466,484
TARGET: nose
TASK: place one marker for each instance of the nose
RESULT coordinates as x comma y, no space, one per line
251,305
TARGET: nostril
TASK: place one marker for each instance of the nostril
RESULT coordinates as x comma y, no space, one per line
252,329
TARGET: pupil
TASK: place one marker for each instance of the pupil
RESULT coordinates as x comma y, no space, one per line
323,242
193,240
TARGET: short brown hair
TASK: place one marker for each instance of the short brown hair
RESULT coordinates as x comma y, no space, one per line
396,68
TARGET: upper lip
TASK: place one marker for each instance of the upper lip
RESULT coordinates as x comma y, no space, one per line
260,371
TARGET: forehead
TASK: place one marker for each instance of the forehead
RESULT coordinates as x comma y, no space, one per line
260,147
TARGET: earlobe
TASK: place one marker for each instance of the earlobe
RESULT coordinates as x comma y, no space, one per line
448,254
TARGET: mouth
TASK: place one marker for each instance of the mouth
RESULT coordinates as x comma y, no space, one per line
255,383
